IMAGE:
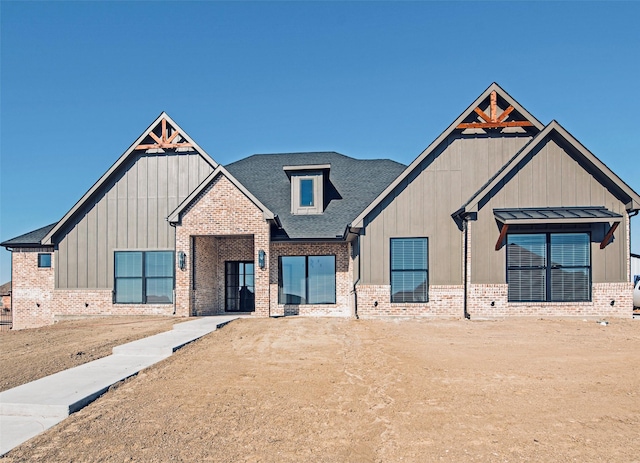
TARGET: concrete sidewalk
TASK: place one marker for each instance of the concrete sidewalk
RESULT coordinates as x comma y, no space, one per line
28,410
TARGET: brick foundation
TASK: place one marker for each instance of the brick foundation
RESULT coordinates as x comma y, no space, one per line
32,290
481,297
444,301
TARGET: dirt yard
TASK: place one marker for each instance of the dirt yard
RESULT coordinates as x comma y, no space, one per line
27,355
330,390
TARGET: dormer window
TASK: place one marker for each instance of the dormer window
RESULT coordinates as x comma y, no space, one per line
307,188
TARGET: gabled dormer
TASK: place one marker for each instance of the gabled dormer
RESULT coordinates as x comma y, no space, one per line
307,187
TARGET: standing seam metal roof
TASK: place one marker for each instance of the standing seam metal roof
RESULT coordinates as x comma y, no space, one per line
556,213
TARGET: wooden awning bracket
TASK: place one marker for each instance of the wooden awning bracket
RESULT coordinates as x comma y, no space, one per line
493,121
503,235
165,140
607,238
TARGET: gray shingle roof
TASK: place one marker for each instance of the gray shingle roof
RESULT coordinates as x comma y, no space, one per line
354,183
32,238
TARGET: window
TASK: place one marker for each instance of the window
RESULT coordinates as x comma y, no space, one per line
549,267
307,192
144,277
307,280
409,270
44,260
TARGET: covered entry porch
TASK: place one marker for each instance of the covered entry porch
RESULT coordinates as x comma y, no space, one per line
223,274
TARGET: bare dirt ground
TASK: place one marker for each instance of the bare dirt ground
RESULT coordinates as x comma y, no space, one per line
27,355
331,390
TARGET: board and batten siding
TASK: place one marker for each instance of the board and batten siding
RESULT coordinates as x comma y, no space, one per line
128,212
550,178
421,206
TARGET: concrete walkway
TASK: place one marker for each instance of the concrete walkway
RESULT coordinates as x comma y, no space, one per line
28,410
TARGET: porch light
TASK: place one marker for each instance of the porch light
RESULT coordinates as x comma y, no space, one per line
261,258
181,260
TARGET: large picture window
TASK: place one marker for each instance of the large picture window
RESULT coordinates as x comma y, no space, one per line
144,277
549,267
307,280
409,270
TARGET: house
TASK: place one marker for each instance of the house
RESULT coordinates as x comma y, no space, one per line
5,295
501,215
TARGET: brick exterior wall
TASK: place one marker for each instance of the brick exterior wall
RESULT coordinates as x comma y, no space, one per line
482,295
224,225
222,210
444,301
344,279
37,303
32,290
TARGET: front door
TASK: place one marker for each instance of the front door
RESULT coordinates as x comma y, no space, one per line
239,287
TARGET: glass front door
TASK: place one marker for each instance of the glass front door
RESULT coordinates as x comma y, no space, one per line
239,287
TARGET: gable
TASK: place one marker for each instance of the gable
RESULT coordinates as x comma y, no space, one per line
163,139
493,115
554,169
222,207
175,216
128,207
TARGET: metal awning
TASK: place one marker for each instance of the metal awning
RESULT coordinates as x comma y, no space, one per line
542,215
556,215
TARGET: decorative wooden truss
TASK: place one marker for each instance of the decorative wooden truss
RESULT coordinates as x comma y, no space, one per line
493,121
165,140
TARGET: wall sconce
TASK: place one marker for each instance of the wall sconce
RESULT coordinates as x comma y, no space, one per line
261,258
182,257
613,302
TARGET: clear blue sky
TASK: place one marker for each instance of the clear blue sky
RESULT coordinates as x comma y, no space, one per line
81,80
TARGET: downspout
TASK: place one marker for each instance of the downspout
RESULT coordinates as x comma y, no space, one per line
465,229
630,214
354,291
175,250
355,299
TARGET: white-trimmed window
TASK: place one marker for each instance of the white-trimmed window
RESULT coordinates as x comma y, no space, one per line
307,193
